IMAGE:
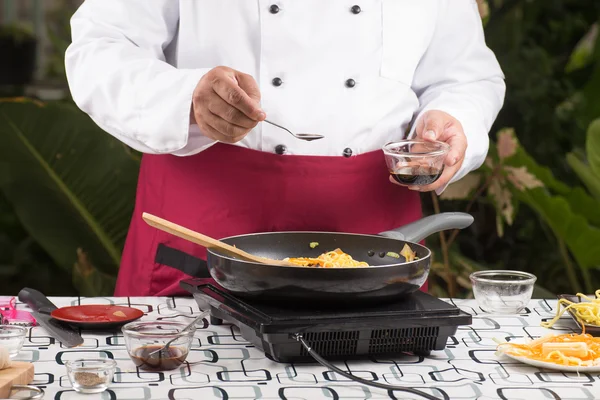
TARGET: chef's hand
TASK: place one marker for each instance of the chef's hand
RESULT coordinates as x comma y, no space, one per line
440,126
225,105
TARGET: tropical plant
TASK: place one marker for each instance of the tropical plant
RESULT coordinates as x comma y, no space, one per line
551,58
16,32
59,36
71,185
552,75
18,48
510,179
587,166
550,53
23,262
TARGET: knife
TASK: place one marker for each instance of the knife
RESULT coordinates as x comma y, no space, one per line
41,308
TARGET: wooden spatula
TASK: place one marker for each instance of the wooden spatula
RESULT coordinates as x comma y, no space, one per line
207,241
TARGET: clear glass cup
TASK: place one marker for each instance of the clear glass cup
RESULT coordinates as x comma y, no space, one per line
415,162
91,375
142,338
12,338
502,291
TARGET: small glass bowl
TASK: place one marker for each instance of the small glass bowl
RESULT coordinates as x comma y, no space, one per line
415,162
502,291
142,338
12,338
91,375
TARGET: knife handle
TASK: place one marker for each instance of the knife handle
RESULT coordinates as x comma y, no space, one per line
36,300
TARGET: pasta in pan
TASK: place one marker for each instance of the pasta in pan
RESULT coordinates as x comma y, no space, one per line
330,259
339,259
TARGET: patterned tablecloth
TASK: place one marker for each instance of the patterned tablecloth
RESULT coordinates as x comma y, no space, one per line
223,365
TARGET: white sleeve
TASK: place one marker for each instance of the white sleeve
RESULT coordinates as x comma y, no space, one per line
460,75
117,74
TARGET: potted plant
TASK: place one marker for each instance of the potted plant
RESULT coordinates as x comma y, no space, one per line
18,53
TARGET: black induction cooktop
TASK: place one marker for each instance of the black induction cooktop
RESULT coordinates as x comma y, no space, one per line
418,323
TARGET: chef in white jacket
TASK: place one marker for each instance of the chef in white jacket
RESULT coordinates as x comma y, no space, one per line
190,82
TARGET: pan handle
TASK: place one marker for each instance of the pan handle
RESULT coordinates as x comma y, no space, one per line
419,230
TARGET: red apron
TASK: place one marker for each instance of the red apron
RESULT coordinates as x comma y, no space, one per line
228,190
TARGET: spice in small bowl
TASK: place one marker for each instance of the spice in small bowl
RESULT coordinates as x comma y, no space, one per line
91,376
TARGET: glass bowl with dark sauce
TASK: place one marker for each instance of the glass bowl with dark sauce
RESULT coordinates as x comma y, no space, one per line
415,162
142,339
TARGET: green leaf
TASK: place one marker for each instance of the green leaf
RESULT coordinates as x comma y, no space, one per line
570,212
584,204
465,264
522,159
581,238
583,54
88,279
591,90
577,198
544,174
17,32
592,147
580,58
585,173
71,184
463,188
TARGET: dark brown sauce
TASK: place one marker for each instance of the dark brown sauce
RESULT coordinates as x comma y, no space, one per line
158,362
417,175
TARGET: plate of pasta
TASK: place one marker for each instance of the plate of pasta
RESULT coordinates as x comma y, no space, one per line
584,310
567,352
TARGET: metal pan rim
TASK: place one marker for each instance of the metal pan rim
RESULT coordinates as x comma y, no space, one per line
209,251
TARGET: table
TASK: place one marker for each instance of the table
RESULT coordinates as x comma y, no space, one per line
223,365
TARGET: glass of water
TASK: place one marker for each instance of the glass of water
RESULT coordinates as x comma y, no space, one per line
12,338
502,291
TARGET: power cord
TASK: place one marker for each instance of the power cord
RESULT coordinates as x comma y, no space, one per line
355,378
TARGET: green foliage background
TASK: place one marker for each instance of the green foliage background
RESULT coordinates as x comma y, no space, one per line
552,66
66,188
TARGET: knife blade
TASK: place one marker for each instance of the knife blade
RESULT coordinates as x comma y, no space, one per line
65,334
41,308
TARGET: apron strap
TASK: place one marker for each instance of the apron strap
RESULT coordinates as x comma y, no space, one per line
181,261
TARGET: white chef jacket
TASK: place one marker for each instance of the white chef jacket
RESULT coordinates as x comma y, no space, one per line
358,72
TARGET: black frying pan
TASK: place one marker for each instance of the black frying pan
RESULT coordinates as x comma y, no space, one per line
386,278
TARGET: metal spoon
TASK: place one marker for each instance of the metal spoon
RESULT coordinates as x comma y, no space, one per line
302,136
164,349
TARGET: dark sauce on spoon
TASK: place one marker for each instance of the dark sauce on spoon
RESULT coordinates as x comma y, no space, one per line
172,358
417,175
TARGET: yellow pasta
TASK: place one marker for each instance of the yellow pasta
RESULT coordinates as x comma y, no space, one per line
330,259
567,349
408,254
338,259
585,312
